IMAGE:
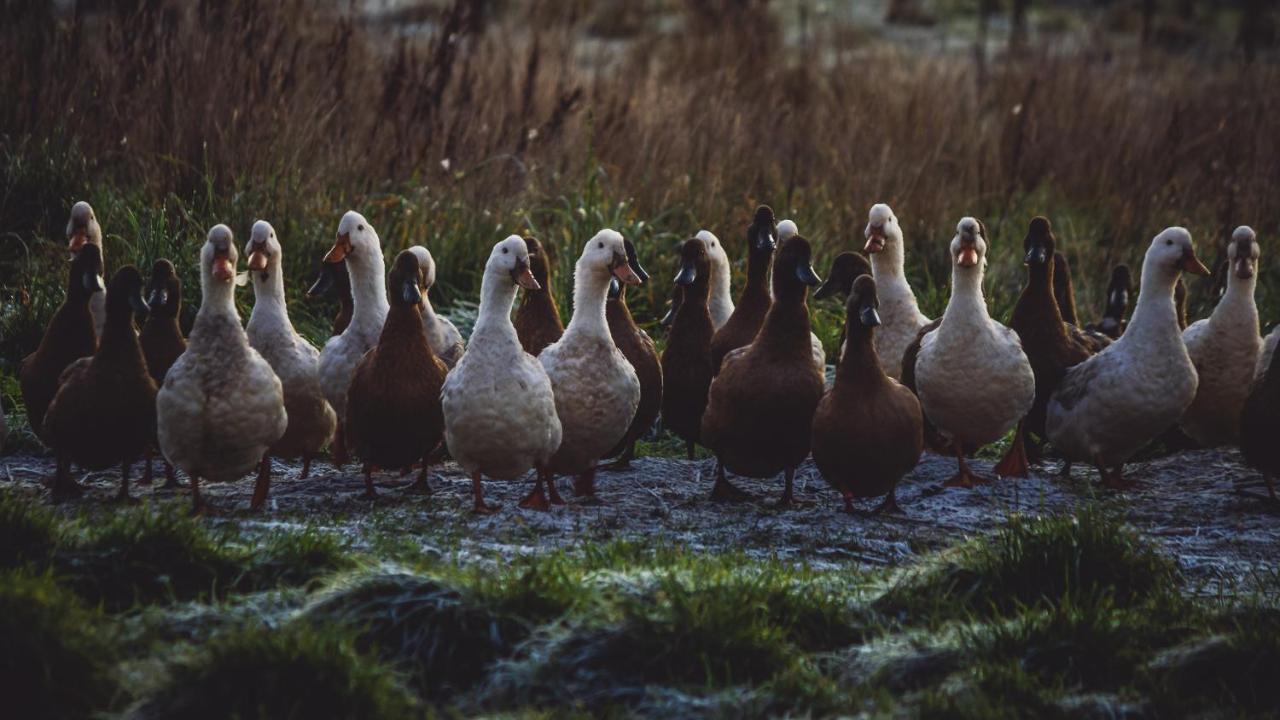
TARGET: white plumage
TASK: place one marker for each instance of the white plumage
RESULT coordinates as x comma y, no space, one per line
443,336
720,302
900,316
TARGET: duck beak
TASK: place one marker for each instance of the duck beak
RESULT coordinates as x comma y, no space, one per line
410,292
1190,263
222,268
677,299
340,250
523,276
1243,268
257,259
623,272
968,255
868,316
633,260
829,288
875,239
1036,256
322,285
79,236
688,273
806,275
139,304
158,298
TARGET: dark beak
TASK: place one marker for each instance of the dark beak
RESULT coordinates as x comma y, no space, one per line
868,316
410,292
1036,255
634,261
677,299
765,240
615,288
830,288
92,282
688,273
159,297
139,305
806,275
322,285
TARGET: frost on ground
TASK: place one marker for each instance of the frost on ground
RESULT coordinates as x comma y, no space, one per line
1203,507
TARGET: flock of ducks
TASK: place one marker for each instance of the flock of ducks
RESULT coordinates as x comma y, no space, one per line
396,386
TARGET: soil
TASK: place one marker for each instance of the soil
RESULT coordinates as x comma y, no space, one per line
1203,507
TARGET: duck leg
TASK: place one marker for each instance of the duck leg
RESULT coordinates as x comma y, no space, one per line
584,484
477,493
306,466
964,477
64,487
1015,463
848,502
123,494
170,477
788,498
263,484
890,505
1271,485
537,500
1065,472
338,450
624,460
369,492
198,504
422,486
725,491
147,475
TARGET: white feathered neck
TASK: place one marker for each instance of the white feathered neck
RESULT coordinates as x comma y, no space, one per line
590,291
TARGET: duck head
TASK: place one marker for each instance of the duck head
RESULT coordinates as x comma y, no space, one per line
426,268
969,246
793,272
405,280
715,251
1172,253
762,232
882,231
263,250
786,229
510,259
1038,244
164,289
218,257
356,238
85,277
861,308
847,267
695,263
1242,252
124,296
83,228
606,253
1118,290
633,261
539,263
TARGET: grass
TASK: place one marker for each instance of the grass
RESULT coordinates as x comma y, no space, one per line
29,532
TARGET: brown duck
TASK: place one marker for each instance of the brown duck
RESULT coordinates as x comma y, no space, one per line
748,315
1118,291
105,411
1050,343
760,407
68,337
162,341
394,417
845,269
333,281
686,361
537,319
638,348
868,428
1260,425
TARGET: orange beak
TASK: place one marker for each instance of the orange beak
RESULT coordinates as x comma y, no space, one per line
341,249
875,240
626,275
968,256
78,238
222,268
258,260
524,277
1190,263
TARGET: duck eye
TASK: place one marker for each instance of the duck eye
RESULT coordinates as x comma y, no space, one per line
505,251
360,228
1168,241
600,244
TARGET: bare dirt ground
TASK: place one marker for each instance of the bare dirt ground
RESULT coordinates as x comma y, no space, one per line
1203,507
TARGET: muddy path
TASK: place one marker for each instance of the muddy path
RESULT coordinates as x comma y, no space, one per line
1203,507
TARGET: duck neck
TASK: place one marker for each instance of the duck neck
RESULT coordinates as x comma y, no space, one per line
889,264
119,340
966,300
859,365
403,328
590,293
786,327
1042,300
268,295
720,302
217,298
368,289
759,263
1237,305
497,295
1154,316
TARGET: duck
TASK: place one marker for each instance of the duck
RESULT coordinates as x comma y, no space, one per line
720,300
1051,343
162,341
394,415
221,406
332,281
596,389
444,337
83,229
104,414
868,429
1259,419
1109,406
899,310
1064,293
639,350
1268,350
537,320
847,267
1225,348
755,300
499,407
68,337
1119,287
972,377
357,245
295,361
760,405
686,360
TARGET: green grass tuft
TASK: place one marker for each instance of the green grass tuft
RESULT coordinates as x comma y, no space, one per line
295,672
55,659
289,557
29,532
1237,668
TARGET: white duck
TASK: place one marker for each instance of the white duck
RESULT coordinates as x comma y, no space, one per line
1225,348
358,244
974,381
899,313
787,229
221,405
720,303
445,339
295,361
82,229
1109,406
499,409
596,389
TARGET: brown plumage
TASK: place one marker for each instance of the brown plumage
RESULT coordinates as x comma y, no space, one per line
1064,292
68,337
868,428
105,411
748,315
394,418
1051,345
161,340
638,348
537,319
1118,290
760,406
1260,425
845,269
686,361
333,281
